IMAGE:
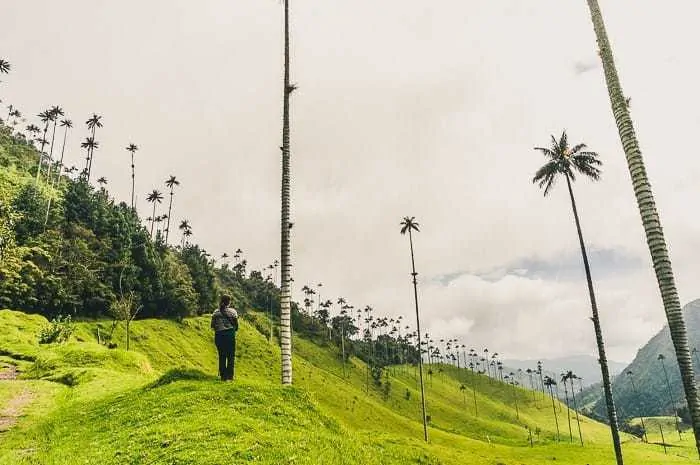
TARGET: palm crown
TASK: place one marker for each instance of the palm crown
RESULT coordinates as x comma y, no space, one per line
67,123
172,181
132,148
565,160
409,224
94,122
155,196
90,143
4,66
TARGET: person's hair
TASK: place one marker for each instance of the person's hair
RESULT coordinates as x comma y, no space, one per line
225,301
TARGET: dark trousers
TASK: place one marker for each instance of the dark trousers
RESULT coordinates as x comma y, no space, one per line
226,346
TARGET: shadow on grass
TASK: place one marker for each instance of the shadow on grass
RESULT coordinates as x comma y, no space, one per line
181,374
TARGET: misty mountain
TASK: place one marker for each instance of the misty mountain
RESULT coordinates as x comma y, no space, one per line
647,375
584,366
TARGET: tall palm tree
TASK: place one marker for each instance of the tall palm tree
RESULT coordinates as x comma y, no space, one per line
184,226
549,383
650,219
671,399
285,289
93,123
55,113
132,148
636,395
89,145
155,198
45,117
171,182
564,379
408,225
67,124
571,377
564,161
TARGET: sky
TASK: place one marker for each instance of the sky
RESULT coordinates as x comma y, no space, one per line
403,108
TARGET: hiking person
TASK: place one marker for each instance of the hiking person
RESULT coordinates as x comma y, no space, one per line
224,322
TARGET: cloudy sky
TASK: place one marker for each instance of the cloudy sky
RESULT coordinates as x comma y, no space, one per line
427,109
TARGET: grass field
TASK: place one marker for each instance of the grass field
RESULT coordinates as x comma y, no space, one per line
161,404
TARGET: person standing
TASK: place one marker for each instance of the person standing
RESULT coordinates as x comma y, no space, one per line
224,322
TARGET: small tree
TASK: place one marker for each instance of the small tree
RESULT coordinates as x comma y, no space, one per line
125,309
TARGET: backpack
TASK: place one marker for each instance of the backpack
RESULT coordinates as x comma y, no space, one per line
233,321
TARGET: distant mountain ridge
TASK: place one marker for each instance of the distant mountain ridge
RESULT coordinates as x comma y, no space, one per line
651,397
584,366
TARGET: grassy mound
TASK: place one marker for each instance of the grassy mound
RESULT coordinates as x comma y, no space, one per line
161,403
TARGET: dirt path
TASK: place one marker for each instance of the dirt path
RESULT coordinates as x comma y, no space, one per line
13,410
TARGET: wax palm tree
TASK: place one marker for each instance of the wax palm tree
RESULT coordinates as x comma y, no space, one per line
45,117
571,377
408,225
89,145
132,148
564,379
286,225
650,219
66,124
184,227
630,375
671,398
171,182
93,123
549,383
155,198
564,161
4,66
56,112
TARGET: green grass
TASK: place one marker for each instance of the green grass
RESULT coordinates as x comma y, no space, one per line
161,403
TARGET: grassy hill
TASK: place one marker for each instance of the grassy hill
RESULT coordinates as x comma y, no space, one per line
159,403
652,397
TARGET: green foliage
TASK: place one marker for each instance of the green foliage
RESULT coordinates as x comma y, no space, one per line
59,330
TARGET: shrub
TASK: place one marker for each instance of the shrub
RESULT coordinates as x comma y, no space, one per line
58,331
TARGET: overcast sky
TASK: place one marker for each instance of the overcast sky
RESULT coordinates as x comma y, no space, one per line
427,109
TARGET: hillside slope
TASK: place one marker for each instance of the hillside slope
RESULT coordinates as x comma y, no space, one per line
160,403
652,397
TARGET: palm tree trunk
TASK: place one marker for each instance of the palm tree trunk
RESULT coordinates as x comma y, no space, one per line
554,409
170,210
672,399
41,154
91,154
153,218
285,291
63,150
420,360
53,138
568,412
602,359
578,422
650,220
133,180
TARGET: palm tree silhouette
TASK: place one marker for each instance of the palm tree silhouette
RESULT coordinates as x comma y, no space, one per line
630,375
90,145
564,379
55,113
171,182
132,148
4,66
408,225
67,124
155,198
93,123
671,398
184,227
565,161
45,117
650,218
549,383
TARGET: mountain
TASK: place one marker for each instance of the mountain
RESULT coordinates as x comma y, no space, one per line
647,376
584,366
